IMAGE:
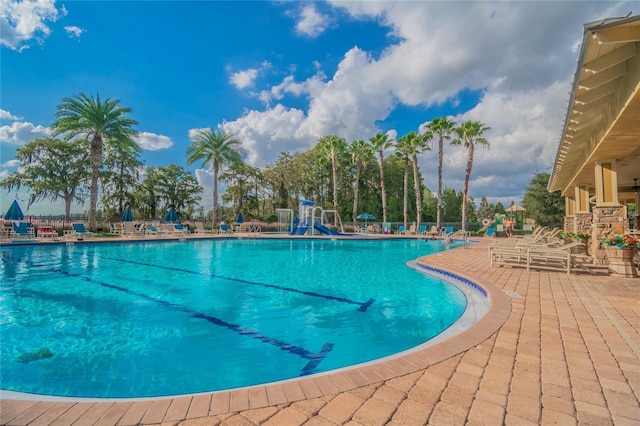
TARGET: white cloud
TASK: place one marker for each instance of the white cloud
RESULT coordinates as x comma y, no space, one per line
6,115
74,31
519,55
311,23
243,79
152,142
21,21
11,163
20,133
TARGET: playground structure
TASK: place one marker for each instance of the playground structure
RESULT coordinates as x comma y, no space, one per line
311,220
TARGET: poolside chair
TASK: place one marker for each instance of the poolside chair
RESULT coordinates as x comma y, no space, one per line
23,230
386,228
47,232
401,229
423,229
224,228
152,230
434,231
412,229
79,231
132,229
115,227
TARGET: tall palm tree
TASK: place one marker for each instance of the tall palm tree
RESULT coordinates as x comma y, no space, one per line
469,134
442,127
101,123
217,148
381,142
414,145
361,153
403,149
332,147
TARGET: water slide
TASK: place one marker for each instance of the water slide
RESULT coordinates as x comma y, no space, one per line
327,231
298,228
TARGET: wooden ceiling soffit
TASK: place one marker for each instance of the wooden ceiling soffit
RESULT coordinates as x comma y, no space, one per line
611,59
593,95
598,103
618,35
605,76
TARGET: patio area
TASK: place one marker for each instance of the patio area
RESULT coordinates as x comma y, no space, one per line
568,353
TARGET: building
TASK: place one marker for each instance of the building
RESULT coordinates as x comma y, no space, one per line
597,167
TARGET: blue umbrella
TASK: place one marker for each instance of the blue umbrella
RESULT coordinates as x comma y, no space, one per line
366,217
171,216
14,212
127,216
240,218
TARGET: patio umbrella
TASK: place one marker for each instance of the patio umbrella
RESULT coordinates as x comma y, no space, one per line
240,218
171,216
127,216
14,212
366,217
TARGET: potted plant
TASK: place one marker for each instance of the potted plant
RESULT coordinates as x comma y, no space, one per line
620,250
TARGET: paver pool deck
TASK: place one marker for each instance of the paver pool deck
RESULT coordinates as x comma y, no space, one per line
554,349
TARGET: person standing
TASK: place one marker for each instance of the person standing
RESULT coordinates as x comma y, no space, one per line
509,225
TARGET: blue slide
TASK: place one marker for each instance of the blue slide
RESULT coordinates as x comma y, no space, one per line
327,231
298,228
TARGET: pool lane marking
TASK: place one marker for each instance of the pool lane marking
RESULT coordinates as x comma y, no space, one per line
362,307
314,357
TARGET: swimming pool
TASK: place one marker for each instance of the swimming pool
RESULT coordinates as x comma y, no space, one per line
148,319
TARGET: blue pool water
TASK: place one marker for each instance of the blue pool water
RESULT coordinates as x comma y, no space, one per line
168,318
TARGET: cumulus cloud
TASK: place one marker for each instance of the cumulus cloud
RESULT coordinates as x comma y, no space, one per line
74,31
20,133
24,20
517,55
243,79
6,115
11,163
311,23
152,142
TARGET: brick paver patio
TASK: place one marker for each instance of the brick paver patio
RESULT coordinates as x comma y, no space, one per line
567,353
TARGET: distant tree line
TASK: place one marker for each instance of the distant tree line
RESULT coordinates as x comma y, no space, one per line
96,156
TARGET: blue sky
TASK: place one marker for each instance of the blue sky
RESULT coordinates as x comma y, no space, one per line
279,75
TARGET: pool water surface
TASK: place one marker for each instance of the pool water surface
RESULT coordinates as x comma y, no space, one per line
125,320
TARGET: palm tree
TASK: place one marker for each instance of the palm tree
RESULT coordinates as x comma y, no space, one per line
101,123
381,142
414,144
469,134
361,153
217,148
442,127
404,150
332,147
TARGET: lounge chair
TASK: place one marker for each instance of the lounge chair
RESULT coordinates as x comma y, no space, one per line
538,256
115,227
47,232
423,229
131,229
224,228
434,232
401,229
386,228
22,231
80,231
152,230
412,229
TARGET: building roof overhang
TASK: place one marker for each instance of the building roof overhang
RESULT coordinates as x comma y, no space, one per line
603,115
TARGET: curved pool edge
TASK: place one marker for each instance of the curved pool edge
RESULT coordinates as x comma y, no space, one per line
329,383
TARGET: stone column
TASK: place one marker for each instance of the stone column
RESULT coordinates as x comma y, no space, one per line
608,214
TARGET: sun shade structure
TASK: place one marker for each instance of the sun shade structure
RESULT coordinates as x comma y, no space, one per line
240,218
14,212
598,156
127,216
171,216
